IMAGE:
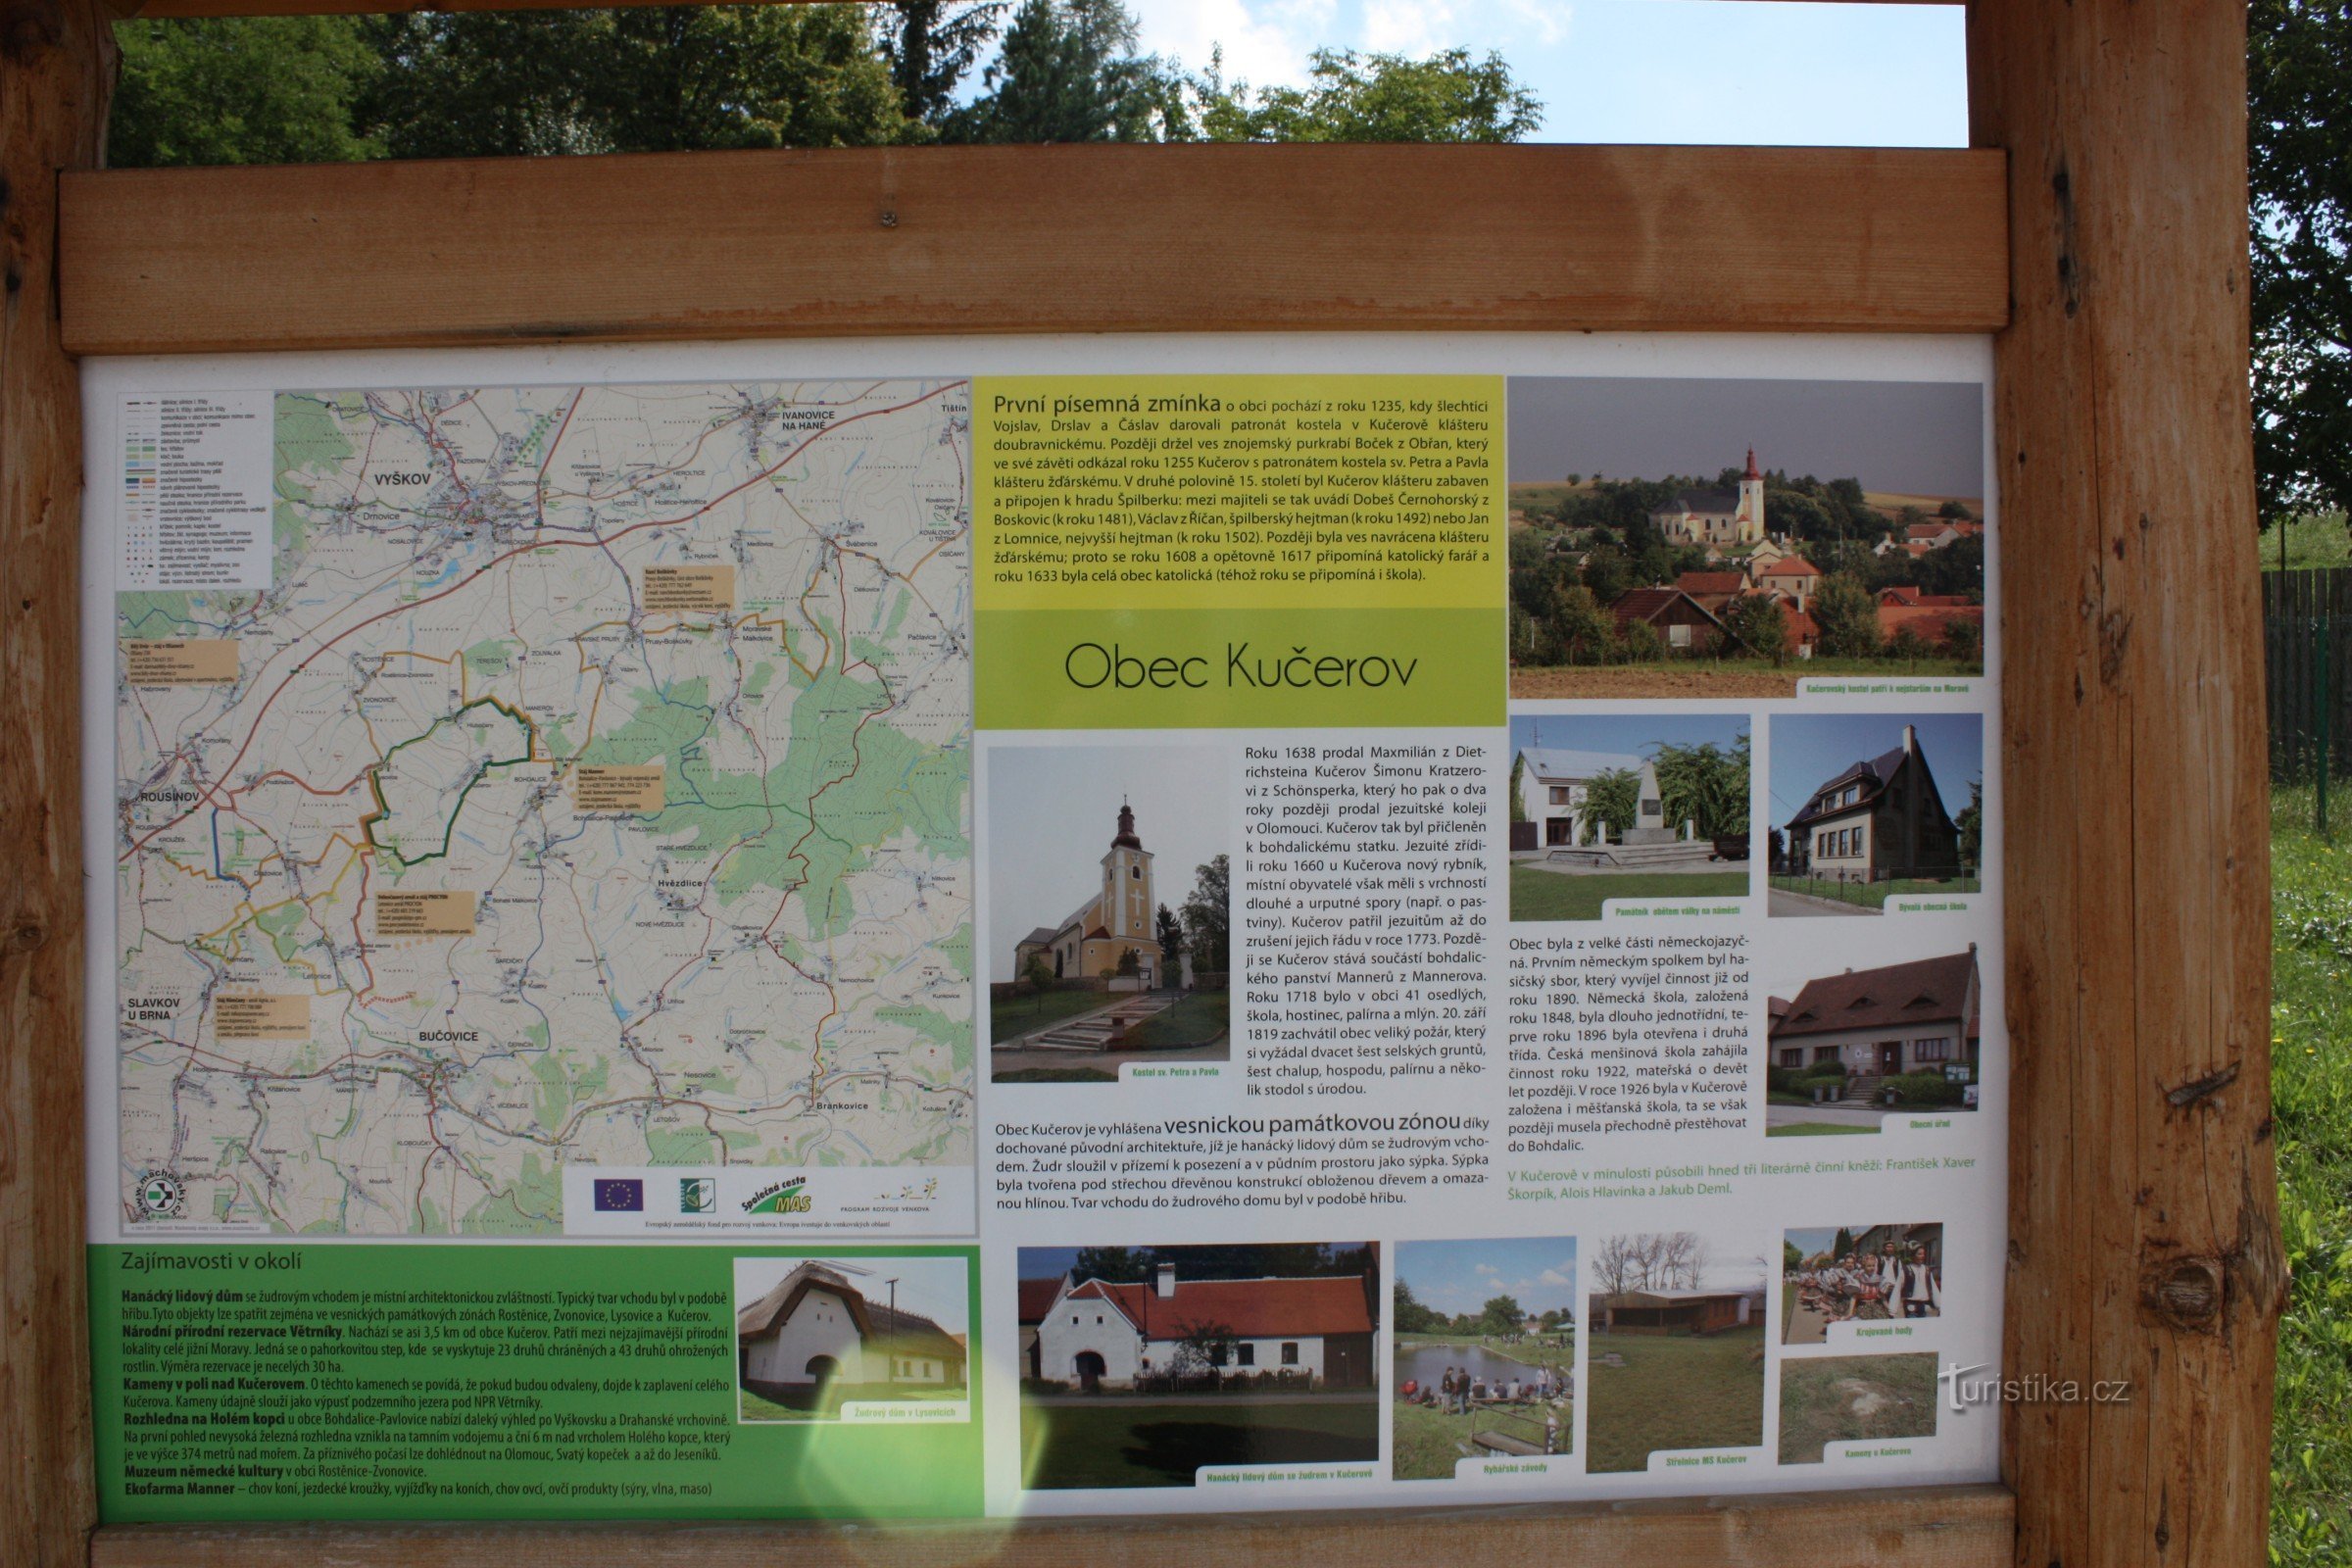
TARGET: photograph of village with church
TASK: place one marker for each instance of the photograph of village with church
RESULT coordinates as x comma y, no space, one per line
1724,538
1108,910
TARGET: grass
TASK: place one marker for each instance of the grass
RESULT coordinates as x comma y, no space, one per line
1819,1129
2321,541
1674,1391
1056,1075
1844,1399
1017,1015
1427,1443
2311,1052
1720,677
1199,1019
1067,1446
1541,895
1874,895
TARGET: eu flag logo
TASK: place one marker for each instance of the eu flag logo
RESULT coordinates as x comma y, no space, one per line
615,1195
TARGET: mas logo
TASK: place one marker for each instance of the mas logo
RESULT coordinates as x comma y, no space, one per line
781,1198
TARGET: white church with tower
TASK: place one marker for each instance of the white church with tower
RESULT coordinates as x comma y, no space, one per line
1115,920
1716,516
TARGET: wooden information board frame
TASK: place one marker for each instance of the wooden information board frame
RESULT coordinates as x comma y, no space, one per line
2099,230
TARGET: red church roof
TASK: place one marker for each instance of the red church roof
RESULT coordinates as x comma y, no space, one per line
1244,1308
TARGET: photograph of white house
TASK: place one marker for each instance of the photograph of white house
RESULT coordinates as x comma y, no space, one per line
1626,805
1144,1365
812,1334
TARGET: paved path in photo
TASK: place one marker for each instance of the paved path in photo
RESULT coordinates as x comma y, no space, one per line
1834,1116
1804,904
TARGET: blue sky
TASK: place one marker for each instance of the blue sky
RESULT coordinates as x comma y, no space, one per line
1633,734
1809,750
1463,1276
1633,70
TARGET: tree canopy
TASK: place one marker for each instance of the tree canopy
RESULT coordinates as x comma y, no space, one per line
1449,97
2299,165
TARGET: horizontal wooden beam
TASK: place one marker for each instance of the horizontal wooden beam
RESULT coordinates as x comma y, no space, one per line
1943,1527
360,7
1033,239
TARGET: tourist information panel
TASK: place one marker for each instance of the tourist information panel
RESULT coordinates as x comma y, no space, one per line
950,928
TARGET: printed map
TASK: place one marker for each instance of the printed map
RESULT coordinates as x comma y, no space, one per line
591,786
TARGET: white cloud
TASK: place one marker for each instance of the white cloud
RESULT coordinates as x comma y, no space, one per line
1552,1276
1265,41
1490,1270
1410,27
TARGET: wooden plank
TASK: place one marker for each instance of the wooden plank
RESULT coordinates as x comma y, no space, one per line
1947,1527
1034,239
2144,1228
57,67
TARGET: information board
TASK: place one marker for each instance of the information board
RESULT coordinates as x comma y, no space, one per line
955,927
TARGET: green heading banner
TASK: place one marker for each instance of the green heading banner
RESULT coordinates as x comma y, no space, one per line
1238,669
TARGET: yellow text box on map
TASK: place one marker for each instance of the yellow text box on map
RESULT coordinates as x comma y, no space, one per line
1239,492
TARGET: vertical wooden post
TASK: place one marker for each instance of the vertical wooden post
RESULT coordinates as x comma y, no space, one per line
57,69
2143,1223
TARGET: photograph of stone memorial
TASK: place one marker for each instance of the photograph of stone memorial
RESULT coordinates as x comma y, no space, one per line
1846,1050
1722,538
816,1333
1676,1353
1860,1274
1644,806
1109,908
1141,1366
1873,808
1484,1357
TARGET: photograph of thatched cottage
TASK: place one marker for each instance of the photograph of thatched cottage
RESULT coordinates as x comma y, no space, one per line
1872,814
813,1333
1848,1049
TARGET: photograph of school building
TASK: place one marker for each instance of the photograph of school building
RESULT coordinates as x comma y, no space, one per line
1869,816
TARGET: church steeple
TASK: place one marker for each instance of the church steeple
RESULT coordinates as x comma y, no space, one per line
1752,473
1125,839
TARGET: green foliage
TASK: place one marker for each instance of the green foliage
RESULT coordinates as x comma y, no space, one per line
1449,97
240,90
1759,626
1707,784
1581,631
1641,643
1208,918
933,44
1518,779
1169,930
1129,965
1500,1315
1613,796
640,79
1411,1317
1970,823
1069,71
1964,639
1908,647
1847,615
1926,1089
2299,162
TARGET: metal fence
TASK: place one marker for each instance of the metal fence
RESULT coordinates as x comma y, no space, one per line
2307,648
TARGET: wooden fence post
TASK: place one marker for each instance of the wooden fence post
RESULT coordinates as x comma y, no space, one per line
57,69
2143,1223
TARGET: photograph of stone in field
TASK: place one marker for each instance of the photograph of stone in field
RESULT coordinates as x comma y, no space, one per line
1141,1366
1642,806
1676,1359
1854,1398
1722,538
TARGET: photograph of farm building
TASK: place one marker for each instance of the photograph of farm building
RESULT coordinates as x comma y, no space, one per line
1633,806
1876,807
813,1333
1144,1365
1845,1050
1676,1359
1697,538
